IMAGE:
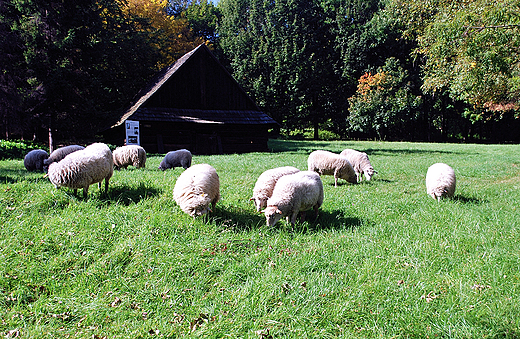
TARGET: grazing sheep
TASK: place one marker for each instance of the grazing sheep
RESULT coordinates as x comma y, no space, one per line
196,188
360,163
130,155
181,157
83,168
328,163
293,193
440,181
59,154
265,184
33,161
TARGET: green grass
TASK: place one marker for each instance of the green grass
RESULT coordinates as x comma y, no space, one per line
383,260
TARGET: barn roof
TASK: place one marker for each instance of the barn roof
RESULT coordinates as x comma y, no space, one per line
144,107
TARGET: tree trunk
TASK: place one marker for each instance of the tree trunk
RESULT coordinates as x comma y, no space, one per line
51,141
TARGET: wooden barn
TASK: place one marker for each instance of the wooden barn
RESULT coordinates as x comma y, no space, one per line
194,104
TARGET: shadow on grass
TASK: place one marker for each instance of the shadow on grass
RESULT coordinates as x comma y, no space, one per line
302,146
328,220
468,200
237,218
7,180
298,146
121,194
384,151
130,195
247,221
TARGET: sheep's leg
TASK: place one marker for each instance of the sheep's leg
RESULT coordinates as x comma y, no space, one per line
293,217
106,184
85,191
303,214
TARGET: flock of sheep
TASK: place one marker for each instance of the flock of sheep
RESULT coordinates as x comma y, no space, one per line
278,192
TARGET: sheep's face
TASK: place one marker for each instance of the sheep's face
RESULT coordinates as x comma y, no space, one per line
199,210
260,203
200,206
272,215
369,173
439,193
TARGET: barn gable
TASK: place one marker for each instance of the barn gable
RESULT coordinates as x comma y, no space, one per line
196,104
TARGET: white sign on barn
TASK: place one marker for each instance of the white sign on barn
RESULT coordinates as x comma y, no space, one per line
132,132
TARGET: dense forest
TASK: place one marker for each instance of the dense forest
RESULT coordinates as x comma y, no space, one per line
435,70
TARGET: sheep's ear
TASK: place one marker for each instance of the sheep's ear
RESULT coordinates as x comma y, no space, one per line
278,211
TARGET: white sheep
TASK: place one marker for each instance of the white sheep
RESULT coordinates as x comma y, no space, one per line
33,161
83,168
265,184
360,163
129,155
440,181
328,163
181,157
196,188
293,193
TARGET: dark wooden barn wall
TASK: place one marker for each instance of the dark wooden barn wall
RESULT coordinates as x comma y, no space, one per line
162,137
201,83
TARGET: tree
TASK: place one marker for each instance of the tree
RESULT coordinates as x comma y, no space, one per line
469,49
203,17
12,74
282,53
384,105
171,35
474,53
83,60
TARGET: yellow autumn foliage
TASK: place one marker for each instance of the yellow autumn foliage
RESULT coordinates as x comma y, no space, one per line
175,36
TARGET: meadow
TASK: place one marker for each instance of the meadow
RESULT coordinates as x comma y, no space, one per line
383,259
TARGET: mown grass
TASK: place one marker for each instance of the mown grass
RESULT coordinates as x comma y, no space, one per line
383,260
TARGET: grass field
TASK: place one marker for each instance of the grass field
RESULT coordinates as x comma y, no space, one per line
383,260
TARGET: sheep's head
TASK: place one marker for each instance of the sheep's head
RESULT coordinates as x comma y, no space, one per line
369,173
200,205
439,193
259,203
272,215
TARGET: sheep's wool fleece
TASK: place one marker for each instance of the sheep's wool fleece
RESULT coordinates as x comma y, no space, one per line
293,193
328,163
172,159
62,152
83,168
196,188
133,155
265,184
360,163
33,161
440,181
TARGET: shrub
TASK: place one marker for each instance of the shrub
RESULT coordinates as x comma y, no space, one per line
10,149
